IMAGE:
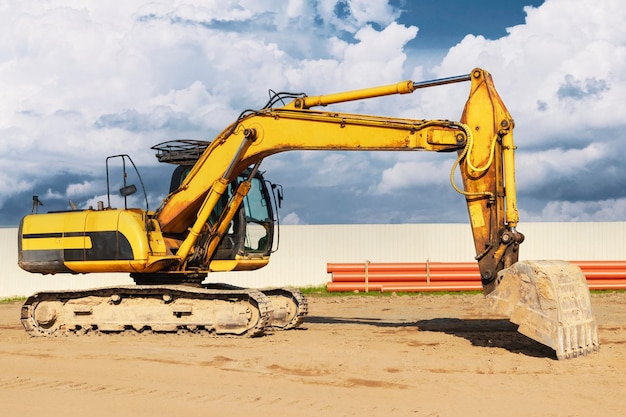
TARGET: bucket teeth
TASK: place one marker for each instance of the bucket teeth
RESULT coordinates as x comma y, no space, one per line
550,302
577,340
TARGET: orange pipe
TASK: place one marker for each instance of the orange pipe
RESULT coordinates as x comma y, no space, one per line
402,286
593,275
406,266
451,286
596,265
607,287
449,276
419,277
351,286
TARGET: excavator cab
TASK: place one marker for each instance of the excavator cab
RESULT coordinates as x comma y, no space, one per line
251,231
249,238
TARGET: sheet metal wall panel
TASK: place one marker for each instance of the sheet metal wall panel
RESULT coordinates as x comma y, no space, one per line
305,250
574,241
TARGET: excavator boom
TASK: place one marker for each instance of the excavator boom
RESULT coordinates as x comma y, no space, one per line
203,224
483,139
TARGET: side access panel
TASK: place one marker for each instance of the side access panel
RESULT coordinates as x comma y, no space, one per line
84,241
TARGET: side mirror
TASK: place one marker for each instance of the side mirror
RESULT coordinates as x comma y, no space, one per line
280,197
128,190
279,192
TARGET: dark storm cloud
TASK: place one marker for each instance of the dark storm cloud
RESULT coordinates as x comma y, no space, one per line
597,180
349,205
52,191
261,21
134,121
575,89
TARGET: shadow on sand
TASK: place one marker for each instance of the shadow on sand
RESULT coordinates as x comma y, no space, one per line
491,333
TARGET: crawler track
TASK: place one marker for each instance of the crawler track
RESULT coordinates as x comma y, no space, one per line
289,305
156,308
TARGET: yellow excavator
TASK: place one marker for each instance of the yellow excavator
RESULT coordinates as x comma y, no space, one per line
220,216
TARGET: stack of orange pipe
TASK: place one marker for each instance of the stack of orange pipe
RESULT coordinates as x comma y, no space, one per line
448,276
604,275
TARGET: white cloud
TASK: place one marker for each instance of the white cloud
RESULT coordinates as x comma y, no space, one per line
291,218
534,168
50,194
376,59
356,13
9,188
408,174
82,189
583,211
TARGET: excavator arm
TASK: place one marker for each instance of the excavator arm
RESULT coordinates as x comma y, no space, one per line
483,140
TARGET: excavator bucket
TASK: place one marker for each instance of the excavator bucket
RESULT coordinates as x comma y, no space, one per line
550,302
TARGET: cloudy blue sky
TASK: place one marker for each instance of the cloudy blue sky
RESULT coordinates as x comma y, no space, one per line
84,80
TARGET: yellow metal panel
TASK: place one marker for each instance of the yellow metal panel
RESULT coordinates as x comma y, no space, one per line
54,223
106,266
238,264
132,225
476,214
156,240
57,243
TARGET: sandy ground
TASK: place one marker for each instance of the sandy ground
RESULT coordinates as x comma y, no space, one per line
355,356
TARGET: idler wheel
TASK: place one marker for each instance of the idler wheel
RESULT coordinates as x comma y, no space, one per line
45,314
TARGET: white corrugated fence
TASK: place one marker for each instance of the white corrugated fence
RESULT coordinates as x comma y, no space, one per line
306,249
